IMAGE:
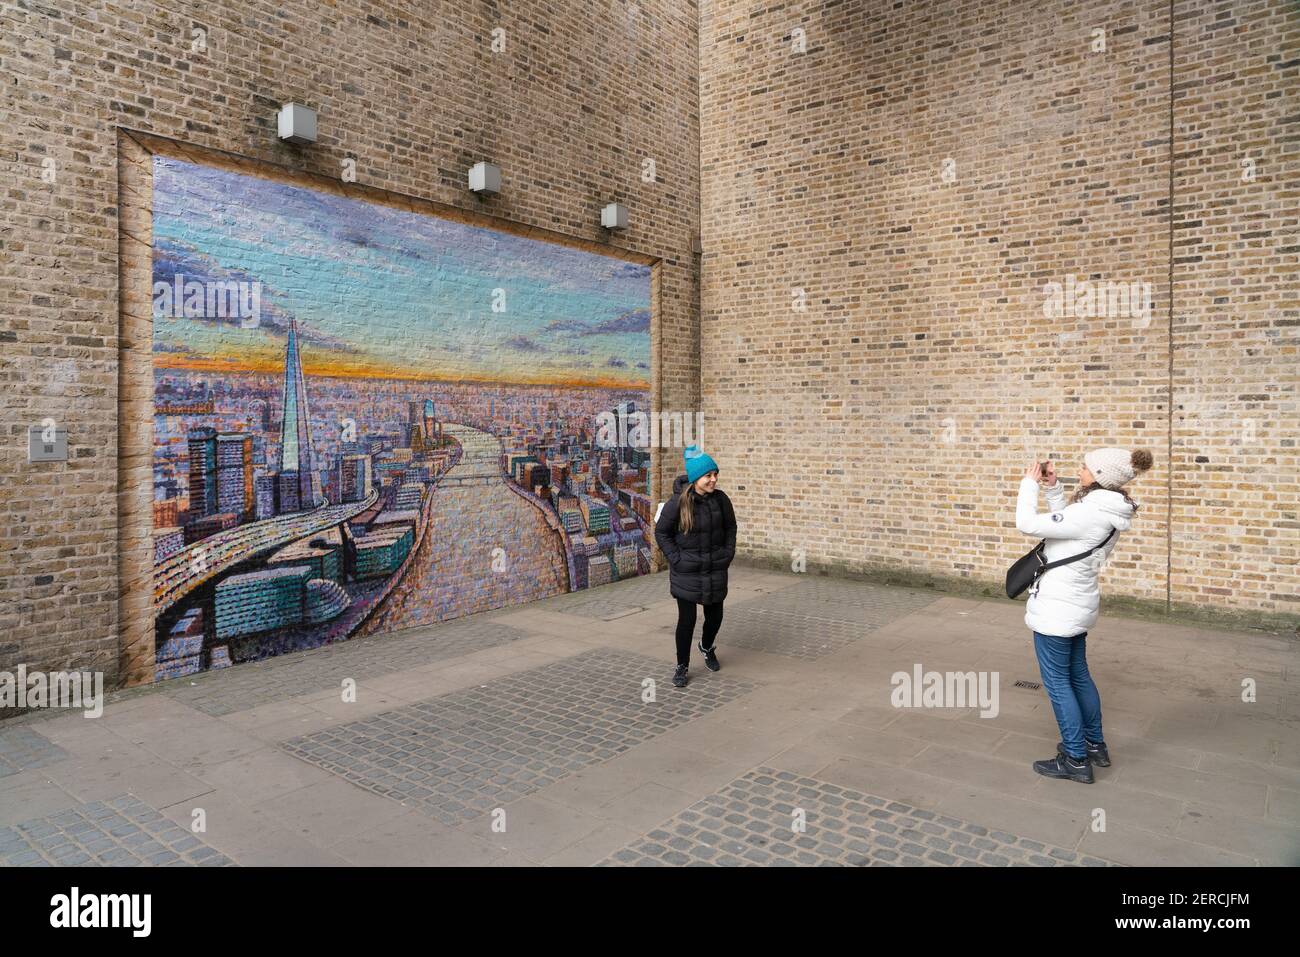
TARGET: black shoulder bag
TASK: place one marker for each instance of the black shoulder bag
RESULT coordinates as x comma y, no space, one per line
1030,568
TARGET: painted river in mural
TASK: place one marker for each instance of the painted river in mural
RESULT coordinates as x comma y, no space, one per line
487,546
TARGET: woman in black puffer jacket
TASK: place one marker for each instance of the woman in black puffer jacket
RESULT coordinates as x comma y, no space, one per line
696,531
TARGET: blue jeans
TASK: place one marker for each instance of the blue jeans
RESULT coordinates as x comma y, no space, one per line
1063,663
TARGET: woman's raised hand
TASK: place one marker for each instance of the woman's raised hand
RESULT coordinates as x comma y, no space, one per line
1044,476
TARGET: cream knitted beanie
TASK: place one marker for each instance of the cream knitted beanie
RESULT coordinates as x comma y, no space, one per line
1115,468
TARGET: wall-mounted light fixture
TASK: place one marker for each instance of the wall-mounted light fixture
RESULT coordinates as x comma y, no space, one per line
297,123
485,178
614,216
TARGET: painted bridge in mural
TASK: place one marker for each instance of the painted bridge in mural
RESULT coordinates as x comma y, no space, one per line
178,575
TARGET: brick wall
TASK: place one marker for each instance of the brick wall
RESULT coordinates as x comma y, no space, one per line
1236,497
881,214
583,92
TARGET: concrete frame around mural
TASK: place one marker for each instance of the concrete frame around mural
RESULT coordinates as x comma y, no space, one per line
135,399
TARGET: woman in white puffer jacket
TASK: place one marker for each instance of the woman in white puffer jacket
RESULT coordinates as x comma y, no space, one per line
1063,603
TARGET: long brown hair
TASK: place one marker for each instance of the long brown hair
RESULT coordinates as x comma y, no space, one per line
1082,491
686,508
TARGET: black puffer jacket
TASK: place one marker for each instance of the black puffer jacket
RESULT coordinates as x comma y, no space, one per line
698,560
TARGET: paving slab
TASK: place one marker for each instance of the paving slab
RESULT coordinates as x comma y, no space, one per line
330,811
533,826
251,836
260,775
1272,844
1137,847
645,805
1242,796
412,840
597,845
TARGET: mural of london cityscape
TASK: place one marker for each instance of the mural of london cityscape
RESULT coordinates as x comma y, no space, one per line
372,446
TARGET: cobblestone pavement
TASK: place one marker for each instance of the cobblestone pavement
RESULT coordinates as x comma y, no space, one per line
754,820
24,748
120,832
459,755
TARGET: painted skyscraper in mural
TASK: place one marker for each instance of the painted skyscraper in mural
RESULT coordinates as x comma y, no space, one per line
298,479
367,419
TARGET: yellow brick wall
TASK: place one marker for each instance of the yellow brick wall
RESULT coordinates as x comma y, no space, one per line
885,196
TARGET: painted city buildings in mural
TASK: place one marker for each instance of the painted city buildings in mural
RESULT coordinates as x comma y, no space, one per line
367,419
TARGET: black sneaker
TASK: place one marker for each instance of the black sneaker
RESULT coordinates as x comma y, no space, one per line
1064,766
679,677
1097,753
710,657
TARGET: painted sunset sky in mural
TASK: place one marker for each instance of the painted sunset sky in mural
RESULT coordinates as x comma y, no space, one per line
382,292
367,445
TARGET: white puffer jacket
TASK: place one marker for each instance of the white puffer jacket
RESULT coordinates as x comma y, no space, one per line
1065,600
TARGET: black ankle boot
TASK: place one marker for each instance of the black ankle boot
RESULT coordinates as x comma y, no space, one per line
1066,767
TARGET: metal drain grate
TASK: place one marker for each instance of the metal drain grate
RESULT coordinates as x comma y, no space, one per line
1031,685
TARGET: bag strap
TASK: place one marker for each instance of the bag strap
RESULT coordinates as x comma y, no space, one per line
1074,558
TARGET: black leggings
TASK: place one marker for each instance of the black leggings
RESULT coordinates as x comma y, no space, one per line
686,627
